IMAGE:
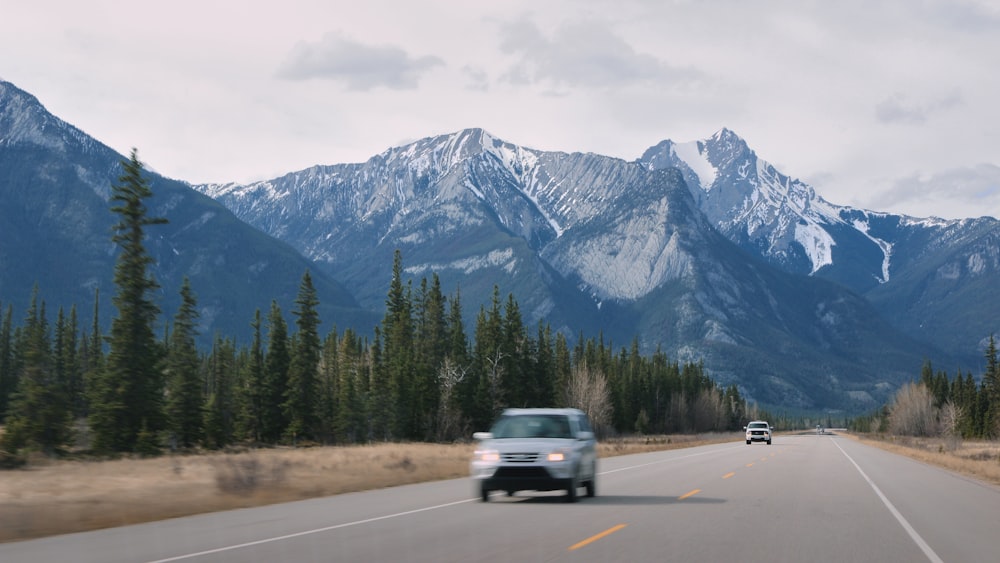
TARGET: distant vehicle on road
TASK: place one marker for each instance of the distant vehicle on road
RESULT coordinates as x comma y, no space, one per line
536,450
758,431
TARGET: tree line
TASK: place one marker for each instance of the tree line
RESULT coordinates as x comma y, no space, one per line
418,376
940,405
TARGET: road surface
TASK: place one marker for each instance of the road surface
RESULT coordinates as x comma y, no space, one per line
804,498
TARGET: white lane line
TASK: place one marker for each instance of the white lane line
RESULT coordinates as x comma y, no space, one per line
308,532
658,462
899,517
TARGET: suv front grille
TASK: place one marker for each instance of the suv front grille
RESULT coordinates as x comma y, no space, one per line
520,457
521,473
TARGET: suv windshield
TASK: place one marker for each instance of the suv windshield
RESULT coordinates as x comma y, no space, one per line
532,426
758,425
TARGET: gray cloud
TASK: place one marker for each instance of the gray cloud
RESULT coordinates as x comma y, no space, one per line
898,108
583,54
359,66
967,192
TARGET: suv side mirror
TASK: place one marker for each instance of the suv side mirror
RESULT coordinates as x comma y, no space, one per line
584,435
480,436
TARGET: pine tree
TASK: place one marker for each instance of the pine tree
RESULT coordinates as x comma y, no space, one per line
301,405
8,377
991,390
220,410
184,381
398,352
254,419
40,416
276,362
431,342
129,394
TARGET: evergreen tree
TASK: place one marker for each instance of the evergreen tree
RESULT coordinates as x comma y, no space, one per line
398,353
276,364
129,394
991,391
184,381
301,406
92,356
40,416
8,377
220,410
72,364
256,387
431,343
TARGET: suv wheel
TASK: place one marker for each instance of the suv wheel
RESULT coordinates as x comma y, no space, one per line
571,490
484,493
748,442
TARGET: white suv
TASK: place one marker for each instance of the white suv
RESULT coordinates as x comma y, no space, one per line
536,450
758,431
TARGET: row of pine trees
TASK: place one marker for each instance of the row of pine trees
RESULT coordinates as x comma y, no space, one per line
938,404
417,377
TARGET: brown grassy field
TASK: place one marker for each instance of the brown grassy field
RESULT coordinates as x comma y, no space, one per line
56,497
975,458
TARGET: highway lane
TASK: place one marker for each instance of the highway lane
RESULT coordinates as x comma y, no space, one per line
804,498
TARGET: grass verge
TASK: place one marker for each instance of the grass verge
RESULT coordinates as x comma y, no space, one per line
975,458
56,497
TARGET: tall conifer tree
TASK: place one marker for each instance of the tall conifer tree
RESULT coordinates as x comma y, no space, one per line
301,404
129,394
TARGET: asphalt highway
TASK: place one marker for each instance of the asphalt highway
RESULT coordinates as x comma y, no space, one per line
803,498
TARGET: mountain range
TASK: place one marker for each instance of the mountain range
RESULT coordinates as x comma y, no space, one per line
701,250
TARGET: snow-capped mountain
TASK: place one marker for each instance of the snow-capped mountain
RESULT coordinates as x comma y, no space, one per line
586,243
926,275
654,250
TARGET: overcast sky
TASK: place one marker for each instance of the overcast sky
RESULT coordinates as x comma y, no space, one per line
886,105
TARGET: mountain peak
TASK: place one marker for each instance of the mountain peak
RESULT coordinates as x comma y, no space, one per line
23,119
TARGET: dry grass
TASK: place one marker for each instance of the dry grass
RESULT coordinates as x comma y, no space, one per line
57,497
979,459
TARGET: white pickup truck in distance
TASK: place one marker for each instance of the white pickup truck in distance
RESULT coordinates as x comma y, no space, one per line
758,431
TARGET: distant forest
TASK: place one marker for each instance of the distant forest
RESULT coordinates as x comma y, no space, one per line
417,377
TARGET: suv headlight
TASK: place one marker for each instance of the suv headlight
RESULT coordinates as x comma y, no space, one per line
489,456
558,455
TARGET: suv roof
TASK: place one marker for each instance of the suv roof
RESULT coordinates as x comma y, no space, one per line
515,412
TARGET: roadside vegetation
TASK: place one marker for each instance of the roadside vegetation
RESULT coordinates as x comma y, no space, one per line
57,496
952,422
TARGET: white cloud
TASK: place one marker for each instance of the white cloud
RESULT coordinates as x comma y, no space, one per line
359,66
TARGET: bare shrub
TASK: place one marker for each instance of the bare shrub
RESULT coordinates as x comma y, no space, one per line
588,391
242,474
912,412
449,417
950,417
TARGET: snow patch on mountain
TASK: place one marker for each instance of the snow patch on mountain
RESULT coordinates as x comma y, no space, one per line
886,246
693,155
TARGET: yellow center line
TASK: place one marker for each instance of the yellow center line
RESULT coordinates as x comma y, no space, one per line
690,494
728,475
750,464
594,538
763,459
